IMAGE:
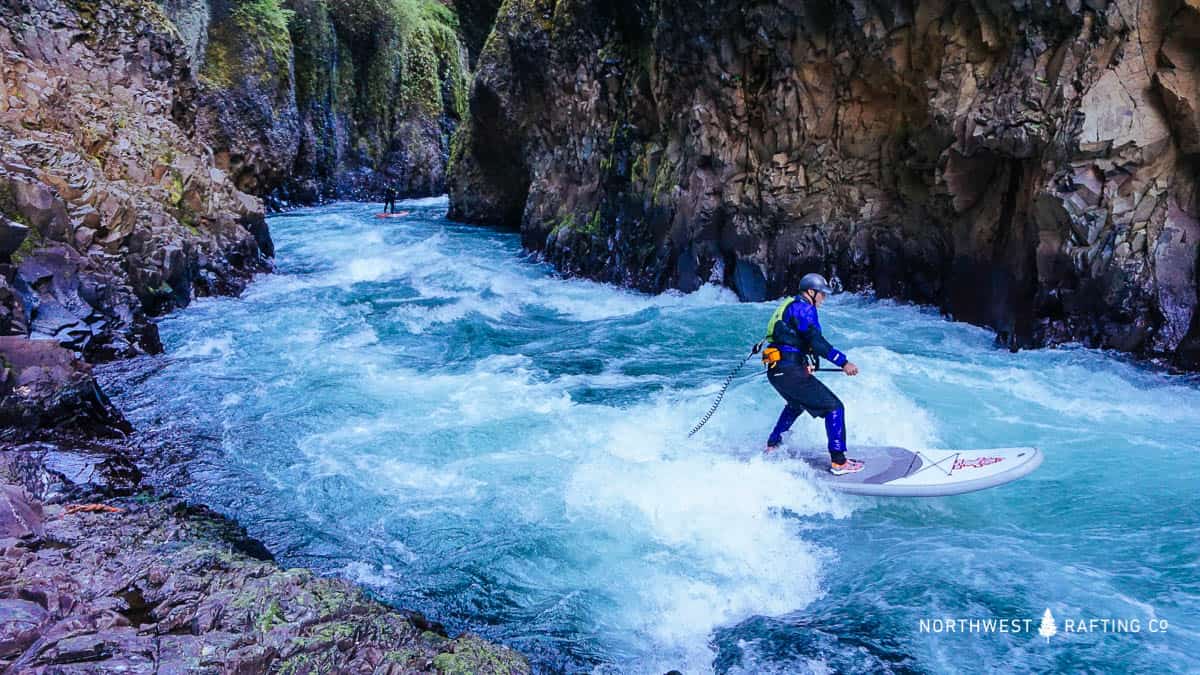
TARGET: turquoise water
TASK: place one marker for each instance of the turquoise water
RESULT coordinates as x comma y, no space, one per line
421,407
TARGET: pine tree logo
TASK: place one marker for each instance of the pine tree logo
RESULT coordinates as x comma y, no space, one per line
1047,629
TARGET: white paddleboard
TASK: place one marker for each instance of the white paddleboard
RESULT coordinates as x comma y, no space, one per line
899,472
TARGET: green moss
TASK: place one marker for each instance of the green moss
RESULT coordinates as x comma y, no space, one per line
451,67
315,50
421,87
640,166
299,663
345,78
218,63
175,190
433,638
33,241
458,146
592,228
664,182
253,41
8,204
400,656
267,22
472,655
379,62
273,616
565,224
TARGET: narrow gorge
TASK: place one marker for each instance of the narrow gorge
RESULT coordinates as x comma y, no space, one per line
1029,168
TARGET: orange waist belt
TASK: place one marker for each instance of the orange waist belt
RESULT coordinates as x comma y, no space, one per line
771,356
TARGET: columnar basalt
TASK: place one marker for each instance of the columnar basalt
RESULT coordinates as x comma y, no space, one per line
110,211
1031,167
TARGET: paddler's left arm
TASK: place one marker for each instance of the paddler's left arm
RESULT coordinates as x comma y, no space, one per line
822,348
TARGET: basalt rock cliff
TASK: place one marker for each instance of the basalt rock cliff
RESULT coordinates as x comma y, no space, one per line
308,100
110,211
1029,166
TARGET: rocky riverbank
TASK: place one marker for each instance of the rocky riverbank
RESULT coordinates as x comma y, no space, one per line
100,571
146,583
1031,167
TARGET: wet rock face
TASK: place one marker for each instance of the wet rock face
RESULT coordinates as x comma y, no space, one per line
380,89
43,386
246,107
192,19
110,211
476,18
1026,166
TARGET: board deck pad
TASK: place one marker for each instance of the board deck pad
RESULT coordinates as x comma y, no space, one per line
900,472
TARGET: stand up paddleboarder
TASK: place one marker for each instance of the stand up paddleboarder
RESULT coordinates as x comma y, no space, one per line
389,200
794,349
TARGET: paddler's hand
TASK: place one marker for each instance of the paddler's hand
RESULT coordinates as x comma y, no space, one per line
850,369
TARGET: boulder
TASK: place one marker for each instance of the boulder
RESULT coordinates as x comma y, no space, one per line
21,622
20,517
41,208
12,235
48,388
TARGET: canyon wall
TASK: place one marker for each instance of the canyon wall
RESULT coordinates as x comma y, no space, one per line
1027,166
308,100
124,182
111,212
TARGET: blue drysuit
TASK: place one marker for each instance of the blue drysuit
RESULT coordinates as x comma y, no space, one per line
799,336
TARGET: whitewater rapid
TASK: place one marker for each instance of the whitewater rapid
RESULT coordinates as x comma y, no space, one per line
422,407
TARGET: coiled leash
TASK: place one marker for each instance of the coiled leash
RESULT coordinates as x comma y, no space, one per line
728,380
771,356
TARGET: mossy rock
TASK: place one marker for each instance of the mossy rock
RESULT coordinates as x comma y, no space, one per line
252,41
472,656
273,616
33,241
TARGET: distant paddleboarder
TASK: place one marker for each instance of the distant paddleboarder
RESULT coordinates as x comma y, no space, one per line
389,204
794,349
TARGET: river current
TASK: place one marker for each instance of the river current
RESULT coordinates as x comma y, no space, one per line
422,407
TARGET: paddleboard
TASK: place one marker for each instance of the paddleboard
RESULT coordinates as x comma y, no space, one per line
401,214
900,472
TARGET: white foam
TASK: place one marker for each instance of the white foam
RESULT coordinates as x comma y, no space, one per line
714,540
368,574
442,200
213,346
